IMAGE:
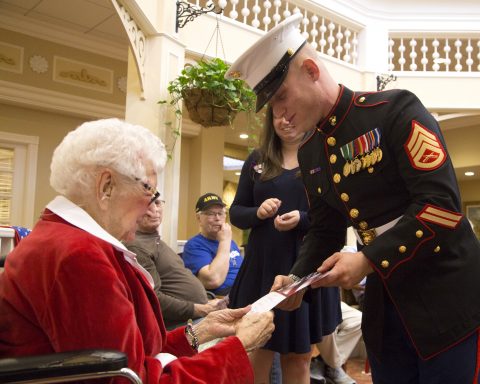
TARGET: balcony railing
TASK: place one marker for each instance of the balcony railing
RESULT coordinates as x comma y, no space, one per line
330,36
338,37
437,54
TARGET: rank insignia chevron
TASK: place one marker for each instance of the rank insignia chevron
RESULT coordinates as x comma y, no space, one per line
424,149
443,217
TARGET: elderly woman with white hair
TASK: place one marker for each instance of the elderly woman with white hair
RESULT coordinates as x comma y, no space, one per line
72,284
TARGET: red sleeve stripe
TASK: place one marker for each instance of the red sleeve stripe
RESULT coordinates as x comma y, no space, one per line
440,216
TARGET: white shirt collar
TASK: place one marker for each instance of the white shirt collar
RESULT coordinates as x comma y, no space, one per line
76,216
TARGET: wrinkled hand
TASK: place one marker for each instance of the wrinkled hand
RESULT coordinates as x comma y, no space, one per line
254,329
346,270
292,302
202,310
287,221
268,208
220,323
225,233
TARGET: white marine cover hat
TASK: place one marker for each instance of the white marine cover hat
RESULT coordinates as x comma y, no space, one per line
264,65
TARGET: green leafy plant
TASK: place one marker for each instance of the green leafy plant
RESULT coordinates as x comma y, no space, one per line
211,100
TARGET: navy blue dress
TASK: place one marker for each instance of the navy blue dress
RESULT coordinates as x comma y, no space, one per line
270,253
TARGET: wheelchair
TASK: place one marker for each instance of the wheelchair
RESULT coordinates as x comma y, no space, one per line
66,367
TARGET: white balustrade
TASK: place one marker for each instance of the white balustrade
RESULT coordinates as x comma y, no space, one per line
330,37
437,54
337,37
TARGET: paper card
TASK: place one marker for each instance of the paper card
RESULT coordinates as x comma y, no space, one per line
272,299
267,302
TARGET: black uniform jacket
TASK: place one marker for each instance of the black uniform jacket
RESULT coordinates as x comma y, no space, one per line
377,157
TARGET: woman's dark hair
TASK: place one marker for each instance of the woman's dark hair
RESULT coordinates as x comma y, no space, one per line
270,149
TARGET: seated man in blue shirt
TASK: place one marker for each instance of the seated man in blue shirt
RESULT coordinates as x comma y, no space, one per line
212,255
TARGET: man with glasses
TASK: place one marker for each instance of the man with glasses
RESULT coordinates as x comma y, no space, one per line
181,295
212,255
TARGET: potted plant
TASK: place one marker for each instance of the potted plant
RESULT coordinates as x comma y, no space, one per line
211,100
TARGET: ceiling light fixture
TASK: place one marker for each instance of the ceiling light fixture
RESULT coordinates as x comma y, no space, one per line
469,173
243,136
237,173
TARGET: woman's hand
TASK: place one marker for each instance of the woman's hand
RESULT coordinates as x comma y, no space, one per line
254,329
220,323
287,221
292,302
268,208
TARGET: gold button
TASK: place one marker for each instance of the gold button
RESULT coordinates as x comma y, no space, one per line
419,233
402,249
361,99
354,213
437,249
333,158
331,141
344,197
370,170
337,178
290,51
319,190
363,225
332,120
385,264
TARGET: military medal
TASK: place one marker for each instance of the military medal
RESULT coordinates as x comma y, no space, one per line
379,154
362,152
346,169
358,164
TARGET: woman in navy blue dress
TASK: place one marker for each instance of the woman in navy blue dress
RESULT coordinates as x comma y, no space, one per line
271,201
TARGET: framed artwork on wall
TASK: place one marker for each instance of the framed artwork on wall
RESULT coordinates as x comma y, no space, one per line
472,211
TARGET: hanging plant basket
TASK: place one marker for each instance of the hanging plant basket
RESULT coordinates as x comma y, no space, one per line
211,100
207,108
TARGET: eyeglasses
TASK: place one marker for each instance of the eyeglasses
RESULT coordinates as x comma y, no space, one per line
211,214
148,188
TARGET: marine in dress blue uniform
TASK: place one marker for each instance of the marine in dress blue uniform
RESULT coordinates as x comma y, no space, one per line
378,162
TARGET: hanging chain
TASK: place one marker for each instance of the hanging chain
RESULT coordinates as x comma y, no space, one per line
218,38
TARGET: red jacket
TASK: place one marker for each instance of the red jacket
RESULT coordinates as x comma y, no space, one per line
65,289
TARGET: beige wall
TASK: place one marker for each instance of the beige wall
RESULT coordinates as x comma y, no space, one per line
470,191
201,171
49,50
50,128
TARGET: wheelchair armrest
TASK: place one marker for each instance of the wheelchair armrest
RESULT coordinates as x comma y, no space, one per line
60,364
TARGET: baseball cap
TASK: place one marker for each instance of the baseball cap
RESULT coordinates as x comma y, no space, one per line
264,65
207,200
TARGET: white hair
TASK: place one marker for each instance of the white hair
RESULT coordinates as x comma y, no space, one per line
111,143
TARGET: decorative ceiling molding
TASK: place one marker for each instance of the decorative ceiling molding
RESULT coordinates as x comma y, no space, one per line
138,40
33,97
47,31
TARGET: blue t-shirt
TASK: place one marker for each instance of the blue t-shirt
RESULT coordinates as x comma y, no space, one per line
200,251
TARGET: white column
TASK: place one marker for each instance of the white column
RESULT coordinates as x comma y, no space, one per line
373,45
163,57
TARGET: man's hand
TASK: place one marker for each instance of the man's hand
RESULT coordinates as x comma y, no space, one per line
225,233
292,302
345,270
287,221
268,208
